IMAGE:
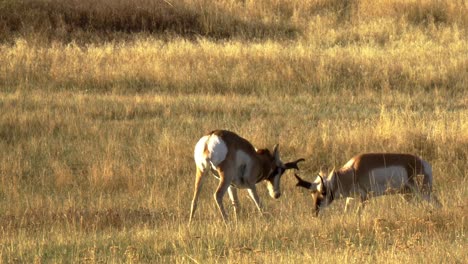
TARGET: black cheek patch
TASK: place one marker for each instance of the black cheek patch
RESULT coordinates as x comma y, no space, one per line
278,171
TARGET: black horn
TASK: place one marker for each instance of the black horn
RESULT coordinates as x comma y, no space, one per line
293,165
302,183
321,179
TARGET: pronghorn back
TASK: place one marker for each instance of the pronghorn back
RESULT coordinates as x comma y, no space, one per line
390,165
214,147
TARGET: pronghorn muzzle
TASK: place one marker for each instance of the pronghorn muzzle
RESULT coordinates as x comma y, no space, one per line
273,180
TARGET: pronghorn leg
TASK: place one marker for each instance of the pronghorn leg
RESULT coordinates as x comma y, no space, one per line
219,194
426,191
408,197
348,201
232,191
254,195
414,189
427,185
198,183
362,203
436,201
429,196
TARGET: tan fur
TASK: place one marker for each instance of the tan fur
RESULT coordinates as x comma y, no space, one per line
374,174
356,174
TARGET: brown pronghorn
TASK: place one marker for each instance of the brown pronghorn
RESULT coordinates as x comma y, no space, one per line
372,174
237,164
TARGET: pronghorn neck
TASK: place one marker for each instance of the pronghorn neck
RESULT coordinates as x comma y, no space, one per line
338,182
262,176
331,186
263,157
272,172
330,192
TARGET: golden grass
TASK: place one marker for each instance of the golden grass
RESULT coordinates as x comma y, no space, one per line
101,105
207,67
109,178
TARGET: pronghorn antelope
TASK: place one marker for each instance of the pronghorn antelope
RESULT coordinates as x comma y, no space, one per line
237,164
372,174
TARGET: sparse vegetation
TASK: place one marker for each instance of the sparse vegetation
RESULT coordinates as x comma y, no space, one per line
101,104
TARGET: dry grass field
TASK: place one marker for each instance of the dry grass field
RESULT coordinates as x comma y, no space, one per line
102,102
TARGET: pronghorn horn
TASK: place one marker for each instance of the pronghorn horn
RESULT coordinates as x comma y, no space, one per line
321,179
323,184
302,183
299,179
293,165
276,153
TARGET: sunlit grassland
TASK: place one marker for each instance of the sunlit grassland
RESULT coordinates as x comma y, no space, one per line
109,177
100,110
235,67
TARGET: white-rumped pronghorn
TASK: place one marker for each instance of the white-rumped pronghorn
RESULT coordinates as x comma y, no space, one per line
237,164
372,174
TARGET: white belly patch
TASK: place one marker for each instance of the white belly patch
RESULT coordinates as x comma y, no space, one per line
244,167
217,150
384,179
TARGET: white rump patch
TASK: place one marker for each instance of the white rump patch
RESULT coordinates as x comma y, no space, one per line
217,151
198,154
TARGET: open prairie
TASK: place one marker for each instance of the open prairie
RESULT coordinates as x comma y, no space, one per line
102,102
